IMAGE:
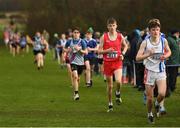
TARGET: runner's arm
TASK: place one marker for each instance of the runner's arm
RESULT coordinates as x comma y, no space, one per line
47,46
167,50
125,46
83,48
66,48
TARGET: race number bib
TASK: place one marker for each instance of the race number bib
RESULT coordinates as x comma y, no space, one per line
156,56
112,55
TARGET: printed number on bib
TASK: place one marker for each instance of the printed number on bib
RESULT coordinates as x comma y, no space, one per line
156,56
112,55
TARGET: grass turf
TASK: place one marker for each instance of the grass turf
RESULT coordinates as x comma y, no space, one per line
29,97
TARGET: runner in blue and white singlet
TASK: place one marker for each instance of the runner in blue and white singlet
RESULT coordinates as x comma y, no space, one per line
154,50
154,63
76,48
75,57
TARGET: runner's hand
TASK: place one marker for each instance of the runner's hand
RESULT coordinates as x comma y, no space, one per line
77,48
109,50
69,50
162,57
121,57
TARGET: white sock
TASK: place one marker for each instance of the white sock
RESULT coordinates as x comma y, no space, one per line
144,92
117,92
156,103
150,114
104,77
110,104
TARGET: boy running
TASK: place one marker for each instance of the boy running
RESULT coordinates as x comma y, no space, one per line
113,47
154,50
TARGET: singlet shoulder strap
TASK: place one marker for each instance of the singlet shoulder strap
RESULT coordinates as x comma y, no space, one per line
119,35
105,36
80,40
71,42
163,43
146,41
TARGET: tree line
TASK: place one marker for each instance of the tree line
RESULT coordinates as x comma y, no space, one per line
59,15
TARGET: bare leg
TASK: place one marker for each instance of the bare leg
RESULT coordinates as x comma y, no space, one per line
161,84
149,93
118,77
109,88
75,84
70,73
17,49
38,58
87,72
27,48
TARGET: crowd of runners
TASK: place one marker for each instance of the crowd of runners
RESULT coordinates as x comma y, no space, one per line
147,59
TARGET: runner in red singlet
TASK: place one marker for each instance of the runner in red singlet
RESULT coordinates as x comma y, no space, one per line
113,47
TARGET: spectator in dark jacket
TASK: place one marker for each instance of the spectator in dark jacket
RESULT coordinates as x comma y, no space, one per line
138,67
174,60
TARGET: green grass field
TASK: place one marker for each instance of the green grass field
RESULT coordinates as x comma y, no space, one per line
29,97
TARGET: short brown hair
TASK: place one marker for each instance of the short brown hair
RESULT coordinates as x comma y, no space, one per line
154,23
76,28
111,21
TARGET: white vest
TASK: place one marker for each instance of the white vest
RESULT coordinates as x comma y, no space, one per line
153,62
63,43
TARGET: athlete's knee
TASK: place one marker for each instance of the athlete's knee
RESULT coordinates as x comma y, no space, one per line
38,56
110,86
109,82
75,77
162,94
88,69
78,79
149,97
41,56
119,81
